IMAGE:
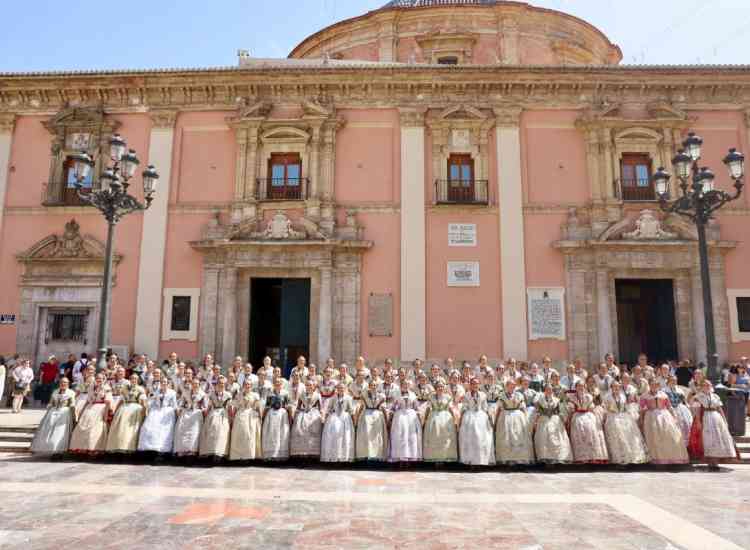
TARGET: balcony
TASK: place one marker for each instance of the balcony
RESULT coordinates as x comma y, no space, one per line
59,194
640,190
462,192
286,189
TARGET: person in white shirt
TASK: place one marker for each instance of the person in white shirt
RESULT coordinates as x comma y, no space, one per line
79,368
22,378
2,379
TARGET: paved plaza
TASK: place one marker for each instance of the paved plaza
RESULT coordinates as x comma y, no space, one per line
51,504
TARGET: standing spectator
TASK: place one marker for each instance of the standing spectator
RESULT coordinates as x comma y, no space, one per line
10,365
48,373
79,368
684,373
66,369
22,378
2,378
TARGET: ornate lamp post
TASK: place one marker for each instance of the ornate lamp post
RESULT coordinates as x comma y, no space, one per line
698,200
113,201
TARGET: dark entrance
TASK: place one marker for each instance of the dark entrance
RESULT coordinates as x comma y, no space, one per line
646,319
279,321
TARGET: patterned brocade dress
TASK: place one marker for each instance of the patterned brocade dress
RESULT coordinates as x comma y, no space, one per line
586,433
90,434
215,432
53,435
275,437
126,424
245,439
307,427
372,432
406,430
661,430
513,443
337,444
440,440
551,441
709,436
624,439
157,431
187,432
475,438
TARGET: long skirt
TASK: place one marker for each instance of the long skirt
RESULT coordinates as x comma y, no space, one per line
587,439
215,434
664,438
157,431
710,437
90,434
440,441
53,435
275,440
187,432
245,444
475,439
337,443
684,420
624,440
81,401
634,410
513,443
406,436
123,432
492,410
307,430
551,441
372,436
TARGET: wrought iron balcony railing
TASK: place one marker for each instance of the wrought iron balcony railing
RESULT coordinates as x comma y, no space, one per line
286,189
462,192
636,190
59,194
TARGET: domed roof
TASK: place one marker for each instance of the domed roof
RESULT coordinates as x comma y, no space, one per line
425,3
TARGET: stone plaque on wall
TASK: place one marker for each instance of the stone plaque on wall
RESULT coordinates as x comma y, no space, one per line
546,313
380,315
462,234
463,273
460,138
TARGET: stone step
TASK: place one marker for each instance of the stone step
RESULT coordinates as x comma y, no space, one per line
18,429
15,447
16,437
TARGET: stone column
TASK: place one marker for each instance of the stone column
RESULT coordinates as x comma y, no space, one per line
699,327
154,238
413,243
325,316
314,172
227,308
603,314
608,177
7,123
512,255
721,305
209,303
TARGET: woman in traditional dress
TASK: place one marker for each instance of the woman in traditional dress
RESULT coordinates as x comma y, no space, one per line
372,431
660,428
90,434
624,440
529,396
513,442
709,437
294,389
327,388
440,440
53,435
475,435
216,430
586,433
157,431
307,426
492,389
123,432
424,391
631,396
191,409
551,442
275,438
246,410
337,443
406,427
22,376
593,389
678,399
456,389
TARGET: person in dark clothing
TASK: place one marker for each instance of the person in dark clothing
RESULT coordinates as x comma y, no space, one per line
684,373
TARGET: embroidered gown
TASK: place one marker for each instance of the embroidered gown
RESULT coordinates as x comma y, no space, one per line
53,435
372,431
215,432
624,439
246,439
275,438
586,433
513,443
123,432
423,392
633,406
475,435
709,436
337,443
82,390
440,440
661,430
90,434
492,391
187,432
681,411
157,431
307,427
406,430
551,441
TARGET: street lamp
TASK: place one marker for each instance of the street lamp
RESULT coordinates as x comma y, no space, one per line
698,200
113,201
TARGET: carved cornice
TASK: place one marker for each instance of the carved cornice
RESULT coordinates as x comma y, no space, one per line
7,123
508,115
412,117
163,118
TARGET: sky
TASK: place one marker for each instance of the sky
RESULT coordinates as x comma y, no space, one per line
45,35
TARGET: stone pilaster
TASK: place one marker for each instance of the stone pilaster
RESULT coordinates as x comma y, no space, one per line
227,308
7,124
154,241
209,308
325,315
604,314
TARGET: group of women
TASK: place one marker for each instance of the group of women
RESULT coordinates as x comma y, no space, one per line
478,416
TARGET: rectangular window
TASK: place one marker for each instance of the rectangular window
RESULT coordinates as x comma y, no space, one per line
743,313
70,179
180,313
635,177
69,327
285,177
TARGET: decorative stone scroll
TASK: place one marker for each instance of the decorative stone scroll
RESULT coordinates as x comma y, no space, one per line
380,315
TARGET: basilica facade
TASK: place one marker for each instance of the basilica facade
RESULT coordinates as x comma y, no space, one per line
430,179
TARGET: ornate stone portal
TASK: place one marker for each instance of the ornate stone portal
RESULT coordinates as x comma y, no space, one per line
61,273
639,247
281,248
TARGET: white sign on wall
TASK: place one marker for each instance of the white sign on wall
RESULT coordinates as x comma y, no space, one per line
7,318
546,313
462,234
463,273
